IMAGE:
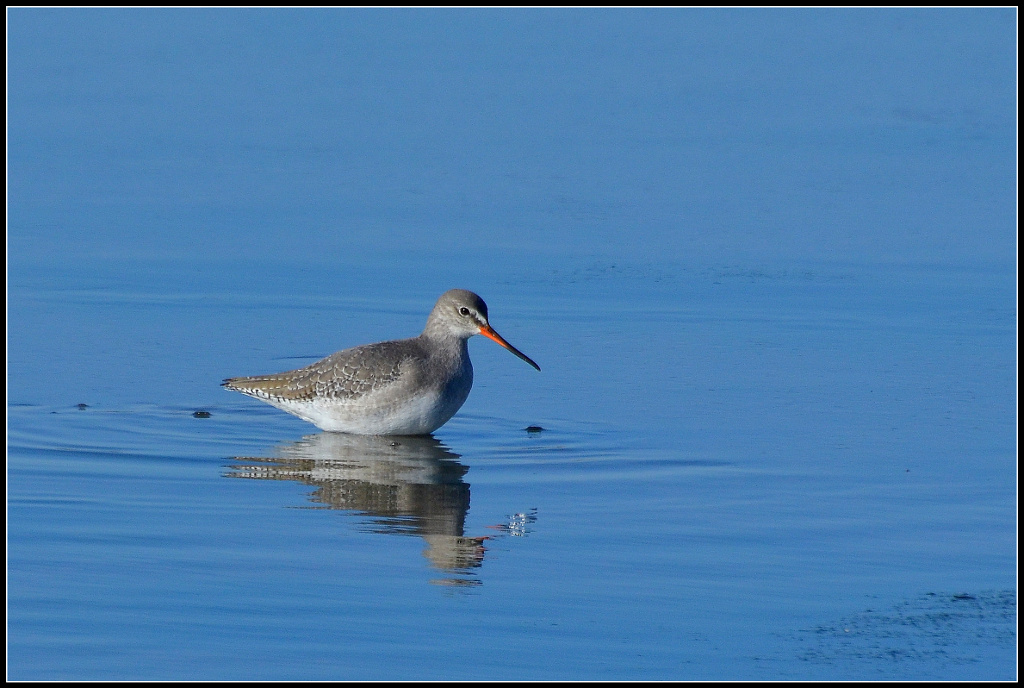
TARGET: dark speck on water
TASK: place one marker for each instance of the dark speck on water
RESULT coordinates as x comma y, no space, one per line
201,414
534,429
82,407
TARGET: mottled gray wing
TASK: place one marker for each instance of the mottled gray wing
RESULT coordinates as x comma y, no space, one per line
347,374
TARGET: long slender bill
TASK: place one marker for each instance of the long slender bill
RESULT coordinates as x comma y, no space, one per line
489,332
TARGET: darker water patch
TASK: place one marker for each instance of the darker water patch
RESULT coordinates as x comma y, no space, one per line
930,636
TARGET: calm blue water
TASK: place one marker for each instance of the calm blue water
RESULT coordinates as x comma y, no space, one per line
765,260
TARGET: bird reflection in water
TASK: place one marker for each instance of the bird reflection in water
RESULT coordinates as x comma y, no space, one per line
405,485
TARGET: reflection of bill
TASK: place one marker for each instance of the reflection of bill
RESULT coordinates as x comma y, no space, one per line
405,485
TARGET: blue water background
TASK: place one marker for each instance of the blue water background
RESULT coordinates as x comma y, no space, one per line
766,260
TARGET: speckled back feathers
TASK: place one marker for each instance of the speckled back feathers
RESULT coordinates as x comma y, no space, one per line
345,375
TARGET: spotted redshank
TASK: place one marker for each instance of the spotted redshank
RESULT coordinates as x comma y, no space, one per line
401,387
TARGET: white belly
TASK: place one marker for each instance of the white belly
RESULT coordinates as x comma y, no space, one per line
389,412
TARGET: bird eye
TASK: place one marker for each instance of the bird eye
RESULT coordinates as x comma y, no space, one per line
464,311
